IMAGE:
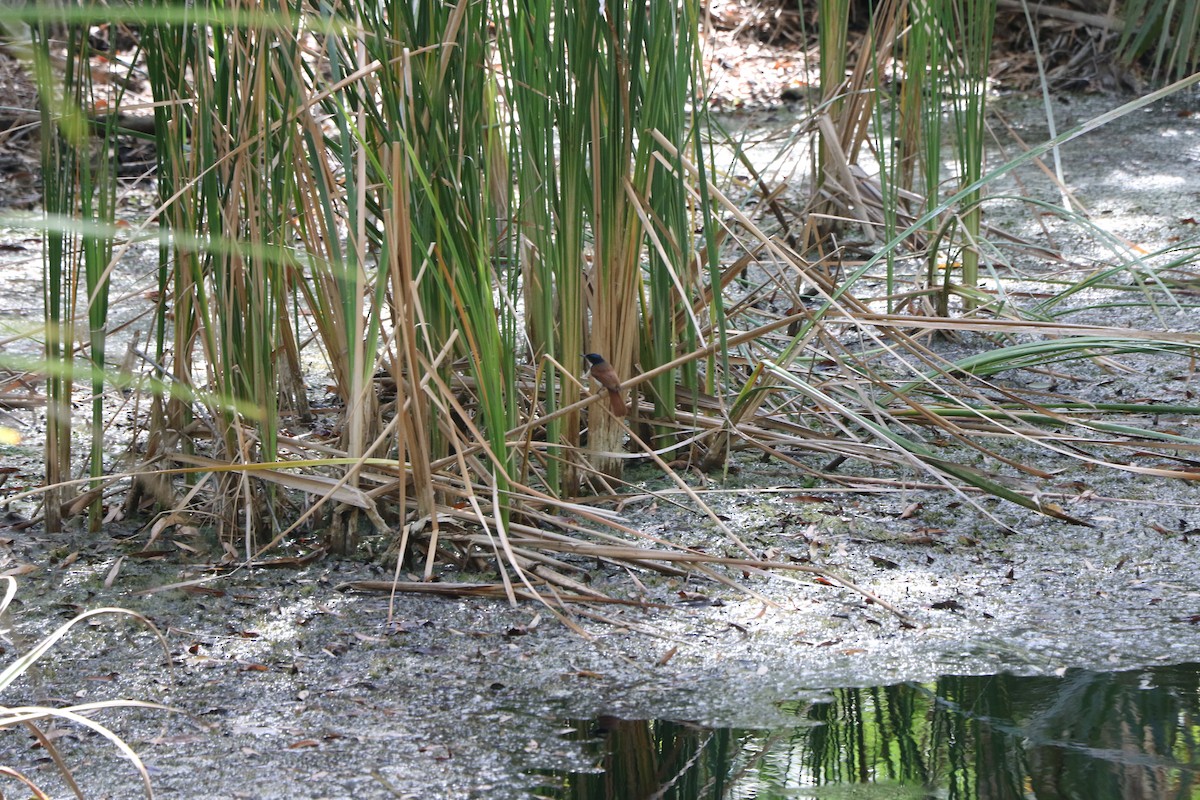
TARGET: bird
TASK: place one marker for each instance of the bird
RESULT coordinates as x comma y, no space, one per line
604,373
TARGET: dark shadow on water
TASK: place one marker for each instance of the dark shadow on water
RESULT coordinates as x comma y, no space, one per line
1083,736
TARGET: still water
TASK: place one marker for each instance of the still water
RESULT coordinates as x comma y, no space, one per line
1086,735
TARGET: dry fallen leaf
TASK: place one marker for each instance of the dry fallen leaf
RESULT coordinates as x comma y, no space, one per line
113,572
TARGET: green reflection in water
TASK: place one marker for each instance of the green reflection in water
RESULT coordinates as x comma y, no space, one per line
1085,736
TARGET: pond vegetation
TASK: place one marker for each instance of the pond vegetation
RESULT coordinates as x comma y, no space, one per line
385,235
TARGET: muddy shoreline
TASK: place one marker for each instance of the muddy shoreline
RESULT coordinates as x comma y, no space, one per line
278,673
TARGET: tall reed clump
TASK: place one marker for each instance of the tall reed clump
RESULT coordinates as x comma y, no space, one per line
925,51
603,220
936,53
333,169
970,24
445,188
226,103
79,173
453,216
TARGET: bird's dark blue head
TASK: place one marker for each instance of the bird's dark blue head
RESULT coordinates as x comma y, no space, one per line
594,358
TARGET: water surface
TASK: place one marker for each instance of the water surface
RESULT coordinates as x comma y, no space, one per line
1087,735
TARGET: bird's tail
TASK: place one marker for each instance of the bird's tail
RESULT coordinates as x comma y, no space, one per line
619,408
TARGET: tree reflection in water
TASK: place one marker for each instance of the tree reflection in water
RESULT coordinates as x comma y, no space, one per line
1085,735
